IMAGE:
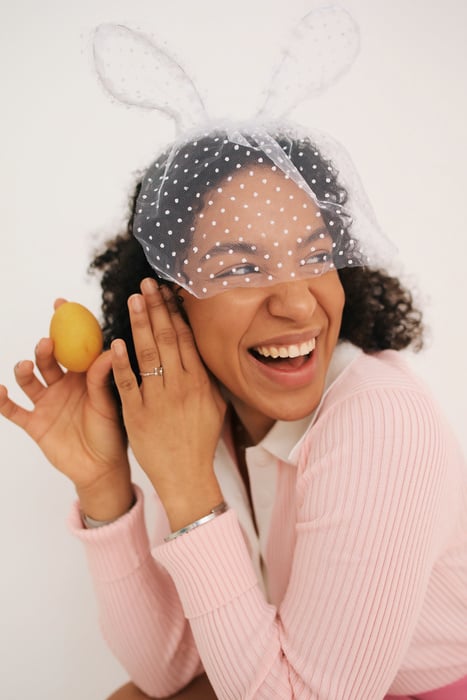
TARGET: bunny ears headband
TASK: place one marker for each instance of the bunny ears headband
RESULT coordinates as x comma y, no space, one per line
246,204
135,71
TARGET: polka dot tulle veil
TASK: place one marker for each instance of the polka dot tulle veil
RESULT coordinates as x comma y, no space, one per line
247,208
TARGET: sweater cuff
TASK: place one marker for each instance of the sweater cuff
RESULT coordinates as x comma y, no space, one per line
210,565
117,549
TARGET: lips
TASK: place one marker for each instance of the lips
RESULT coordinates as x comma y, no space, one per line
287,362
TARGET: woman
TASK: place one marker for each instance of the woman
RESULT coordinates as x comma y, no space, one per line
311,498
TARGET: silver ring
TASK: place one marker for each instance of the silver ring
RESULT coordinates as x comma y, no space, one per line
156,372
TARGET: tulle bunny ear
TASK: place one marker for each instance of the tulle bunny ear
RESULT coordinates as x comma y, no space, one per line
137,72
323,47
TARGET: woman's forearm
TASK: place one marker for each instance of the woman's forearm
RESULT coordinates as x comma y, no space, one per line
139,609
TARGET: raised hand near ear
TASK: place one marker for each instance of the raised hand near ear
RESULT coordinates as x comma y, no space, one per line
174,417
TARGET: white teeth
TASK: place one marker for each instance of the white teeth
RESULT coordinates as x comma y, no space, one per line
286,350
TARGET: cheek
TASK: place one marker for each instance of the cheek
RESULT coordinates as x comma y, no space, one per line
340,303
332,297
209,329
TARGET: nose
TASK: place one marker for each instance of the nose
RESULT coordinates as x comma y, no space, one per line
292,300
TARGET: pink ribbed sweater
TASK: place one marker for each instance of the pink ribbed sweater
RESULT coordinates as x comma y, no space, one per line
354,588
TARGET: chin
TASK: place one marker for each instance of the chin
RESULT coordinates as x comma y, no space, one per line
291,411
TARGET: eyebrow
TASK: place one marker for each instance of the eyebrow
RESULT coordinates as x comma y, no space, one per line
245,247
235,247
320,232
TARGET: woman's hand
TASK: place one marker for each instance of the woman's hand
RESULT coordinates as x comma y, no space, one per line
75,422
173,420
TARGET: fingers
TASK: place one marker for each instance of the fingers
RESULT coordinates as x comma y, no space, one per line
186,343
46,362
161,326
173,336
161,338
147,352
153,332
99,384
48,367
124,377
27,380
10,410
58,302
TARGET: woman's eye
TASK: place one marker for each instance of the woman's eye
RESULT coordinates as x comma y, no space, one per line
323,258
238,271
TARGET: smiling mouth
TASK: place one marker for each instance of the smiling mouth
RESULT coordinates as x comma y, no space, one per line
284,356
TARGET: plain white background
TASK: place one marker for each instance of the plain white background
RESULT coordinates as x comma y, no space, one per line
68,158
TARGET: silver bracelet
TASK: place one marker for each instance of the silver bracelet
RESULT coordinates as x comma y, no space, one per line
91,523
218,510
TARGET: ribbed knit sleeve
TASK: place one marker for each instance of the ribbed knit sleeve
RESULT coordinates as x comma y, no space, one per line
369,486
141,616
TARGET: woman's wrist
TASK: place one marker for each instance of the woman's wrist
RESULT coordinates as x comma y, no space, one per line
220,509
110,497
188,506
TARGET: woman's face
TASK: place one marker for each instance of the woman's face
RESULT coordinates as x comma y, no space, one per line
269,346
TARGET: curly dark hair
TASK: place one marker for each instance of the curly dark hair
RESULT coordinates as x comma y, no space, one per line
379,312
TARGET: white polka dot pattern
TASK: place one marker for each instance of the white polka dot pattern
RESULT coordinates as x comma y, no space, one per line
232,208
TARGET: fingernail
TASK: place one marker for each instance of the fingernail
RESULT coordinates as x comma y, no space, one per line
136,302
118,346
149,285
18,365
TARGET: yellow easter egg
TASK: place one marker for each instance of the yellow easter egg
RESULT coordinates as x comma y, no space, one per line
77,336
